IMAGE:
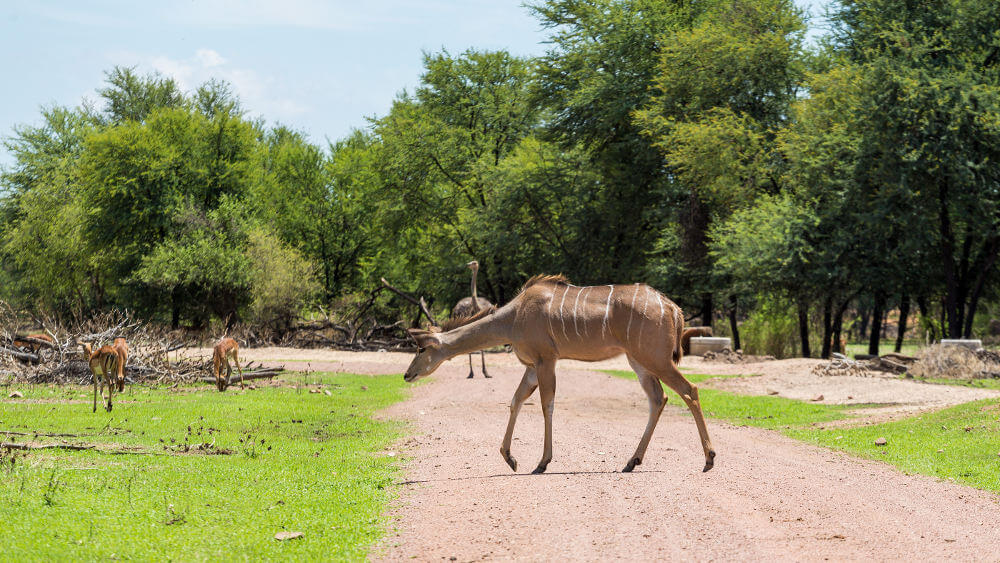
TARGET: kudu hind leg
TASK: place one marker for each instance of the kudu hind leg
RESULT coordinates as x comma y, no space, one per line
654,394
524,390
689,394
547,392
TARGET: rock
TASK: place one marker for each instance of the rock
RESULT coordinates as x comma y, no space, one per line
282,536
881,441
772,392
327,391
849,397
940,451
15,395
817,398
364,387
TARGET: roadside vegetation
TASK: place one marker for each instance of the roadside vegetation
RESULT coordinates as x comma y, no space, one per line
960,443
194,474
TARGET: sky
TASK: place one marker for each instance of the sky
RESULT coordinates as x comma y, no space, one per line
320,67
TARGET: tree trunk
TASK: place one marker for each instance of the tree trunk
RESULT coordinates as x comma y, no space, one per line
922,307
904,317
876,331
706,309
804,328
733,326
838,324
827,327
863,325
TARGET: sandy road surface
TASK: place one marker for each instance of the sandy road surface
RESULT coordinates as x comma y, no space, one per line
768,497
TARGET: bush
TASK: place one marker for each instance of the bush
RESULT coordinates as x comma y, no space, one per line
772,329
282,282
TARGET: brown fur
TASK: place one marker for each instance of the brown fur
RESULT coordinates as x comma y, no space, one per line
544,278
105,361
121,351
225,349
691,333
33,347
456,322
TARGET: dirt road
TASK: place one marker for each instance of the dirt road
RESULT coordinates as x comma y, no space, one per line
768,497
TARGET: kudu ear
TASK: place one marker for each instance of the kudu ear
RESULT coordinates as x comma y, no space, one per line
423,338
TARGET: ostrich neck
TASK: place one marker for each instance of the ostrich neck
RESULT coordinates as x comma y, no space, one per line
475,300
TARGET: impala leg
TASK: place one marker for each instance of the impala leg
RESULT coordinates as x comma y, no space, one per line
689,393
236,360
654,393
96,382
524,390
482,356
546,374
111,391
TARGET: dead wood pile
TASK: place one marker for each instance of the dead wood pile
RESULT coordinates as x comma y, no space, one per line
61,361
945,362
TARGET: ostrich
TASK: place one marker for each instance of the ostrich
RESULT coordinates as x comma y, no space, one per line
468,307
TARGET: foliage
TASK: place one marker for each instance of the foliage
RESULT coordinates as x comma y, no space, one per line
319,473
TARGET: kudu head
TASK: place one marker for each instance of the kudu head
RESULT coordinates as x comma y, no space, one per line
429,354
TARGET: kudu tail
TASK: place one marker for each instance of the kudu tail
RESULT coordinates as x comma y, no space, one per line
678,336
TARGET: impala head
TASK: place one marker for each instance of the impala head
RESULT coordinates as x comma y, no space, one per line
87,351
429,355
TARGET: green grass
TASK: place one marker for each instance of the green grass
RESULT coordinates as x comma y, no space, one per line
753,410
974,383
300,461
968,437
909,348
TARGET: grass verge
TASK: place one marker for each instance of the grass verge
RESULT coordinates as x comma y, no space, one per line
296,461
960,443
753,410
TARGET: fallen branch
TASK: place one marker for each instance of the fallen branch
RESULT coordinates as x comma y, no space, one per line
16,446
247,376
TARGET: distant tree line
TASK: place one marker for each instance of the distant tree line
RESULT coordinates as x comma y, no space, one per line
701,147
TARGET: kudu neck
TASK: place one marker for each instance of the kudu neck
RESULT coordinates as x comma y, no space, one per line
491,330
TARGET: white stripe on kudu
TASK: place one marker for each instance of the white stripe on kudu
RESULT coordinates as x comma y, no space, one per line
562,321
607,309
631,309
575,303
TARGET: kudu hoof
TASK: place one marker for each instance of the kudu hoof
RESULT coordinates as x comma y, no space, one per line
540,469
709,461
470,375
511,462
631,465
487,376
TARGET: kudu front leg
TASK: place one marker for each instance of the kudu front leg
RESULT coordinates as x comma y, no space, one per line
524,390
547,392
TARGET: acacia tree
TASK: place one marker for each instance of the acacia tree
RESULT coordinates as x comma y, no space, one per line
437,153
930,122
723,86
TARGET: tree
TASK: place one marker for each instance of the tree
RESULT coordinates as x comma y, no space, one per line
931,119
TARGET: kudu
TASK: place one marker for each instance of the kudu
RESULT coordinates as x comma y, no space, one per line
551,319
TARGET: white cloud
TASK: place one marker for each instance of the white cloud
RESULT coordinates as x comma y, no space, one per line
260,95
209,58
